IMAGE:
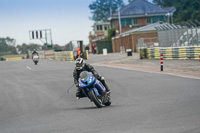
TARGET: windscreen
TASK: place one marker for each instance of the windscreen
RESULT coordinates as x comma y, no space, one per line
84,75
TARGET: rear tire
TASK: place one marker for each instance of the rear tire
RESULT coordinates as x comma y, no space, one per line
107,98
95,99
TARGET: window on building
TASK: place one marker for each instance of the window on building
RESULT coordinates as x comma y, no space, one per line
149,20
99,27
158,18
135,21
105,27
162,18
123,22
155,19
126,21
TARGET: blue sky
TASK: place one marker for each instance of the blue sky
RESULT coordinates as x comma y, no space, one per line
68,19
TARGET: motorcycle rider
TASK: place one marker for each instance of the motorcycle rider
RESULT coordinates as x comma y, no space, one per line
34,52
81,66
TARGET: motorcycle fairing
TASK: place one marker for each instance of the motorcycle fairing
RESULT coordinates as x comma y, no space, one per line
87,81
100,86
90,82
95,90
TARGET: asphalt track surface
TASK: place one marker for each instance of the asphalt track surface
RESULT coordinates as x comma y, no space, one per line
34,99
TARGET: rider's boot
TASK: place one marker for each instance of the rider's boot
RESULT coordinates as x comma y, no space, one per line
106,86
107,89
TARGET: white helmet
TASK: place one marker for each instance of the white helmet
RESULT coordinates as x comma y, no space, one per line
79,63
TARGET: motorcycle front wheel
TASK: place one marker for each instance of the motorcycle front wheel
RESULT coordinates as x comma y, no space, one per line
35,62
97,101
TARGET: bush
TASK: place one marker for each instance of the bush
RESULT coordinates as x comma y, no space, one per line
2,59
111,33
143,53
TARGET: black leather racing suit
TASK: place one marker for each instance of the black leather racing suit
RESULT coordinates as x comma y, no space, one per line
89,68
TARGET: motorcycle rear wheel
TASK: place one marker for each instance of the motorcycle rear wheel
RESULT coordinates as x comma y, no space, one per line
95,99
108,103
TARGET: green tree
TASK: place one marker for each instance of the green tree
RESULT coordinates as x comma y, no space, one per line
22,48
186,10
111,33
44,47
33,46
196,15
25,48
68,47
102,9
7,46
159,2
3,45
56,47
10,41
132,0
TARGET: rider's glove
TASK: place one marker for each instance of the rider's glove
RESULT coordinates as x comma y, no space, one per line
96,76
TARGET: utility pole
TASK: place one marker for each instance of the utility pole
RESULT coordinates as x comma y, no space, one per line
120,28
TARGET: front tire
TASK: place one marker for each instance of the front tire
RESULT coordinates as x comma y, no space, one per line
95,99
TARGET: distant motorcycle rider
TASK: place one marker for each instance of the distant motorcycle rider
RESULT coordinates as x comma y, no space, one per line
81,66
34,52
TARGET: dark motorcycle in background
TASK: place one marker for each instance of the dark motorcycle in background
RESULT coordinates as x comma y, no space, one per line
94,89
35,58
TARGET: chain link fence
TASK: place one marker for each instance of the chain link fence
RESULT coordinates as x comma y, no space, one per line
171,35
185,34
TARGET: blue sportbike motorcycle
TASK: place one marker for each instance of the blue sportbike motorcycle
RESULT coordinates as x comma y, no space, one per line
94,89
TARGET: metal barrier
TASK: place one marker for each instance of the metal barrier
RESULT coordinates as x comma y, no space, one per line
13,58
68,55
187,52
64,56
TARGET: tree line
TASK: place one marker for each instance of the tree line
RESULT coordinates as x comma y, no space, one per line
8,47
186,10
